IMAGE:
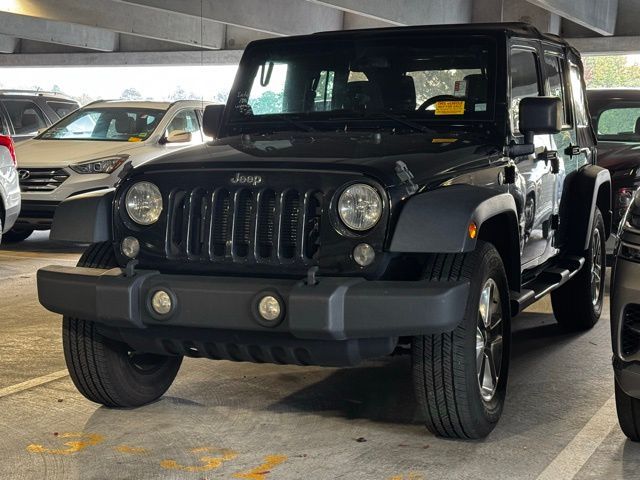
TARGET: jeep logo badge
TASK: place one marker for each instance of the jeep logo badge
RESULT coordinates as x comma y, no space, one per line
24,174
240,179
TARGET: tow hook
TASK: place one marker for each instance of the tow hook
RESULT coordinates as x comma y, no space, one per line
130,269
311,276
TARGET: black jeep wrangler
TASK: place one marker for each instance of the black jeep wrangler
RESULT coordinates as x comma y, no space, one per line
369,191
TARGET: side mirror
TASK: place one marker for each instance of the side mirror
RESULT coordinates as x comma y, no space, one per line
212,120
178,136
539,116
536,116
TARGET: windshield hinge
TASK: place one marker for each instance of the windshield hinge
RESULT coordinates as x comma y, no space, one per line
406,177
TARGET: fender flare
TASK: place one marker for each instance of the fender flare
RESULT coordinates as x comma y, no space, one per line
84,218
438,221
590,186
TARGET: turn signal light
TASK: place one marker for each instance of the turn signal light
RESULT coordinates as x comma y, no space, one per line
473,230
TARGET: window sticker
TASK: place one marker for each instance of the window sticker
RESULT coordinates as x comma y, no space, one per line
460,88
481,107
450,108
443,140
135,139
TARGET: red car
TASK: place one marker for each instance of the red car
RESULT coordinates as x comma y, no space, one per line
616,119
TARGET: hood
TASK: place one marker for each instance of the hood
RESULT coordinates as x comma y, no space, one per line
617,156
61,153
429,157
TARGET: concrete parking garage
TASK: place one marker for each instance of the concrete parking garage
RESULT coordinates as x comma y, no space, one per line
235,420
256,421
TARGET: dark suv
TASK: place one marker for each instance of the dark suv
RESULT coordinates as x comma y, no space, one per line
371,191
24,112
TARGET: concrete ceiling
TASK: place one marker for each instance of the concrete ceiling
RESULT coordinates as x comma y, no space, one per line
151,32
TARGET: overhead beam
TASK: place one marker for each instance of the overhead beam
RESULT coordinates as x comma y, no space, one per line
121,59
406,12
8,44
606,45
118,17
278,17
58,32
597,15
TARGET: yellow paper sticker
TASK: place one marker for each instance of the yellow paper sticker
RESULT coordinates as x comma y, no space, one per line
135,139
443,140
450,108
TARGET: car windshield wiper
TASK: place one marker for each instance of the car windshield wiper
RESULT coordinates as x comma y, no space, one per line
404,121
296,123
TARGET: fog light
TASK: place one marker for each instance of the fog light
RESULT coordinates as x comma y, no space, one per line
130,247
269,308
364,255
161,302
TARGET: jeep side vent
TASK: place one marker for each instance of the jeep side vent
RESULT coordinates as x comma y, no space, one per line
630,334
244,225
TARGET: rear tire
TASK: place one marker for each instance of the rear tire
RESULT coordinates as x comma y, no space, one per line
16,235
107,371
577,305
458,397
628,409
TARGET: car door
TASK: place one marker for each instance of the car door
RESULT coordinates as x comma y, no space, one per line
185,120
562,143
527,80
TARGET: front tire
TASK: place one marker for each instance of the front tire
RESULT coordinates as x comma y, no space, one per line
628,409
460,377
17,235
107,371
577,305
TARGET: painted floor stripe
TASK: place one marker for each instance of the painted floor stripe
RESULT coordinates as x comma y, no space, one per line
576,454
34,382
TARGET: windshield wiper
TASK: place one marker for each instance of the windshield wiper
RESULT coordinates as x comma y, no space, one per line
405,121
296,123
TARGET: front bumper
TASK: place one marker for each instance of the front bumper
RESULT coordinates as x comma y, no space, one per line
625,293
336,311
36,214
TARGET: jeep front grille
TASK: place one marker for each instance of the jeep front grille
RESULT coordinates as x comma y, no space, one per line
244,225
41,179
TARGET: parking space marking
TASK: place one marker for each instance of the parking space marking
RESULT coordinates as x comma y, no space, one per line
576,454
34,382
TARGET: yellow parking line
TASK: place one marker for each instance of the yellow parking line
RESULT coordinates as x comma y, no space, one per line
34,382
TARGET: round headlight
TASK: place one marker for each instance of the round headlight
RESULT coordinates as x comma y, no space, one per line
360,207
144,203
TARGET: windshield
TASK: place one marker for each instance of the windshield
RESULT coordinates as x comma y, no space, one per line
620,124
106,124
412,77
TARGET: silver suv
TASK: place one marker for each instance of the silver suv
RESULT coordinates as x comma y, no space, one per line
87,150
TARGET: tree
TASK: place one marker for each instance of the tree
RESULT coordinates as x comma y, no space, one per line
611,71
131,94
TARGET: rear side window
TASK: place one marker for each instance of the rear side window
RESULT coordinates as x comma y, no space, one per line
62,109
619,124
553,67
578,97
26,116
524,81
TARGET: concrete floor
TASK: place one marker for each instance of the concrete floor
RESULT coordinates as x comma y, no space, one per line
227,420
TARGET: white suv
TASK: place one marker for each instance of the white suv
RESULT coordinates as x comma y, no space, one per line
86,151
9,188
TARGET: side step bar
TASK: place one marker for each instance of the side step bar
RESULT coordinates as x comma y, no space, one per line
544,283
